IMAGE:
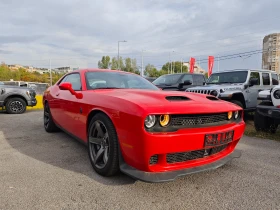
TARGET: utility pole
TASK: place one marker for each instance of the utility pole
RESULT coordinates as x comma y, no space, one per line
119,53
51,72
168,63
218,62
142,64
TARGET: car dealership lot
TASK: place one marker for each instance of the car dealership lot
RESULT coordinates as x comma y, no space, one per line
39,170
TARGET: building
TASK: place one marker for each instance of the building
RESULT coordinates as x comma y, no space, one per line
271,52
64,69
196,69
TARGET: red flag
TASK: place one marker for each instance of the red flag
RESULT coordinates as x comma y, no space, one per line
192,61
210,65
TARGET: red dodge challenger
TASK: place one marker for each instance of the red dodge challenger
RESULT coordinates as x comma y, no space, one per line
130,125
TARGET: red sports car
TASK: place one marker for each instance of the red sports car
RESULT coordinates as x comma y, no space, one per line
130,125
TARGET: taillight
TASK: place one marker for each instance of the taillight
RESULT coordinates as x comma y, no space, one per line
278,106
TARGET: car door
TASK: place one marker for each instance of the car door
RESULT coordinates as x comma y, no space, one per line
254,90
71,105
184,78
55,103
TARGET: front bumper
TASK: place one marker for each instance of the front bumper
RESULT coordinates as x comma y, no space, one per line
269,111
177,153
32,102
172,175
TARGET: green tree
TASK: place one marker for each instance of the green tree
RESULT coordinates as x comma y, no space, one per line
104,63
176,67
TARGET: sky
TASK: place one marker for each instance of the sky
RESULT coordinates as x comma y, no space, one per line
78,33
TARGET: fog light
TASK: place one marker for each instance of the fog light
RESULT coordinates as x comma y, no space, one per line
164,120
229,115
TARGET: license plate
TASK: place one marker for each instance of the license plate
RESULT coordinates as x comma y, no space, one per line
217,139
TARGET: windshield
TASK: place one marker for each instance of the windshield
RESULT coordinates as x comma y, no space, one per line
228,77
117,80
169,79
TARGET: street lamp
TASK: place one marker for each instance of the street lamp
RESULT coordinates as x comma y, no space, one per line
142,66
119,52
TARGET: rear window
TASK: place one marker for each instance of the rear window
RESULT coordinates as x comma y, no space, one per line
275,80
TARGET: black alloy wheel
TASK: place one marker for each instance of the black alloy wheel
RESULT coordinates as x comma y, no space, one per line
49,124
15,106
103,145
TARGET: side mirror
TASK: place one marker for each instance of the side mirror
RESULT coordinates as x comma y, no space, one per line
68,86
253,81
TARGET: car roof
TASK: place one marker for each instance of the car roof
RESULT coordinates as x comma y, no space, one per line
99,70
260,70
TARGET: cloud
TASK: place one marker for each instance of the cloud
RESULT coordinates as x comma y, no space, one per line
80,32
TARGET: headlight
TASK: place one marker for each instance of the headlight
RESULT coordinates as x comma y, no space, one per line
276,94
150,121
164,120
229,115
236,114
214,93
28,93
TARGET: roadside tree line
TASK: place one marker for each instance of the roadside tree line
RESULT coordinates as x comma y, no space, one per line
22,74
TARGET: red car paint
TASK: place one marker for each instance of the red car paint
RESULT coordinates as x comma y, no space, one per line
128,108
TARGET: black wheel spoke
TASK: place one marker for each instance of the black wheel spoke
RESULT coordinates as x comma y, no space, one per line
94,140
105,156
99,155
99,130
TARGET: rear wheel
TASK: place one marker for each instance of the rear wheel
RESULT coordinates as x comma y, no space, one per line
15,106
49,124
103,145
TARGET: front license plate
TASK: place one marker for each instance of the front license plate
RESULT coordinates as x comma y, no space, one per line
217,139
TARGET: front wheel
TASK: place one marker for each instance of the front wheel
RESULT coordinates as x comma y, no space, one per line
103,145
49,124
15,106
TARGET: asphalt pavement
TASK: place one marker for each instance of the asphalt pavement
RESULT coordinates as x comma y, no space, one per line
39,170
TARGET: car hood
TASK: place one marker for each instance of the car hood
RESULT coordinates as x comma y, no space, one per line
171,101
219,86
15,87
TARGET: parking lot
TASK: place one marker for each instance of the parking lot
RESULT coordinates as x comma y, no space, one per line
39,170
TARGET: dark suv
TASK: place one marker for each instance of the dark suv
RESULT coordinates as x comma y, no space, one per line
180,81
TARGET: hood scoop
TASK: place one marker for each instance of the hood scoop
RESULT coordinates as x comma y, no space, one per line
177,98
212,98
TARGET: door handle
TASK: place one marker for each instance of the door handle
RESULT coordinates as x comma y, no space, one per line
57,94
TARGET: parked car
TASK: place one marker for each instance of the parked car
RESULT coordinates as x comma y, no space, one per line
179,82
128,124
267,115
239,86
150,79
15,99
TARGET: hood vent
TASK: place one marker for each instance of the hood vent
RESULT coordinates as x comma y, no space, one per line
177,98
212,98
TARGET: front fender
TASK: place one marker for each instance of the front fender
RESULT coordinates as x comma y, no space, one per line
14,93
229,94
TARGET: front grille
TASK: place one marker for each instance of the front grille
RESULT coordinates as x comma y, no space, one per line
200,91
153,159
193,155
198,119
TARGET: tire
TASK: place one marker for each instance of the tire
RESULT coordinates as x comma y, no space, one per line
103,142
263,123
15,106
49,124
237,103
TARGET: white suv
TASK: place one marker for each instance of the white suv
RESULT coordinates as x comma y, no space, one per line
267,115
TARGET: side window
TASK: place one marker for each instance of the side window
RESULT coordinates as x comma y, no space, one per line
187,77
275,80
255,75
198,79
266,79
75,80
63,80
